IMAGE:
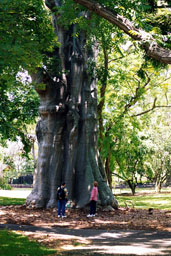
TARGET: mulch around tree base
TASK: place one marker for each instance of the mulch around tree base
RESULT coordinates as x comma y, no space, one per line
127,219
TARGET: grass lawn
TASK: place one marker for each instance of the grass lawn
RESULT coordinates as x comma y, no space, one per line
144,198
141,190
12,244
160,201
11,201
14,197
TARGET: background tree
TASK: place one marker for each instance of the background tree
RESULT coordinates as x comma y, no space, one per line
17,165
159,144
19,107
26,34
134,91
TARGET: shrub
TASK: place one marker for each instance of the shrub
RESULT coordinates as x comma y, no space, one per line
4,184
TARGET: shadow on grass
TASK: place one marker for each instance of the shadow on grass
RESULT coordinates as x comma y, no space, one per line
102,242
12,244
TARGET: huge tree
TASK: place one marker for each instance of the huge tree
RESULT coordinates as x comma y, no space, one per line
67,131
65,81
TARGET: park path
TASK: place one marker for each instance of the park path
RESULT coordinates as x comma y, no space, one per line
15,193
103,242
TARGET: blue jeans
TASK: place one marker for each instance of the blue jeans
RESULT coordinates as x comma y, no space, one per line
61,206
92,207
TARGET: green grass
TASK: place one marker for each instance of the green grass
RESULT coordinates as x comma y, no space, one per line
141,190
160,201
12,244
11,201
144,198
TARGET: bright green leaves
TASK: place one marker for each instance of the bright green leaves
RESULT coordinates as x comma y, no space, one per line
18,108
26,36
132,86
25,32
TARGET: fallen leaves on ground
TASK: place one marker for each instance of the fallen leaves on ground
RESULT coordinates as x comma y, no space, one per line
127,219
121,219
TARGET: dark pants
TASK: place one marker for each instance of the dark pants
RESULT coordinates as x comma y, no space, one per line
92,207
61,206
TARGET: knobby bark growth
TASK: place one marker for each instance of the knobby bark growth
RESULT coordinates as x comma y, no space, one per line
67,130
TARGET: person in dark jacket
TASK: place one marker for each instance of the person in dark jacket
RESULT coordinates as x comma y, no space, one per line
62,195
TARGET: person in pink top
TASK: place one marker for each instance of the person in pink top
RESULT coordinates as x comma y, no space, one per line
93,200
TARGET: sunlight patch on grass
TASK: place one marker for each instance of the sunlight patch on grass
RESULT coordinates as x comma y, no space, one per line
157,201
141,190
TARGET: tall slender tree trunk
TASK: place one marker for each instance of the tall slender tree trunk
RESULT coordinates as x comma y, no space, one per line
158,181
158,186
108,170
67,130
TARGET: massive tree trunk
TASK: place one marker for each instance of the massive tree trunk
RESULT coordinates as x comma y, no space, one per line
67,130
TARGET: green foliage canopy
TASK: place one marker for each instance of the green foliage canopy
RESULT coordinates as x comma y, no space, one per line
26,36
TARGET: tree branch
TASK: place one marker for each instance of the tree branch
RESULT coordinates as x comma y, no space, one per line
50,4
153,107
119,58
137,95
119,176
148,43
162,6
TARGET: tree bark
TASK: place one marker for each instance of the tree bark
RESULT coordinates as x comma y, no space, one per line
108,171
158,186
67,130
102,96
132,186
148,43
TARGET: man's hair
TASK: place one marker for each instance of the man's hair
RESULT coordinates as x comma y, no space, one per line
63,184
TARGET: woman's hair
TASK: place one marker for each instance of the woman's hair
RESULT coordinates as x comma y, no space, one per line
95,183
